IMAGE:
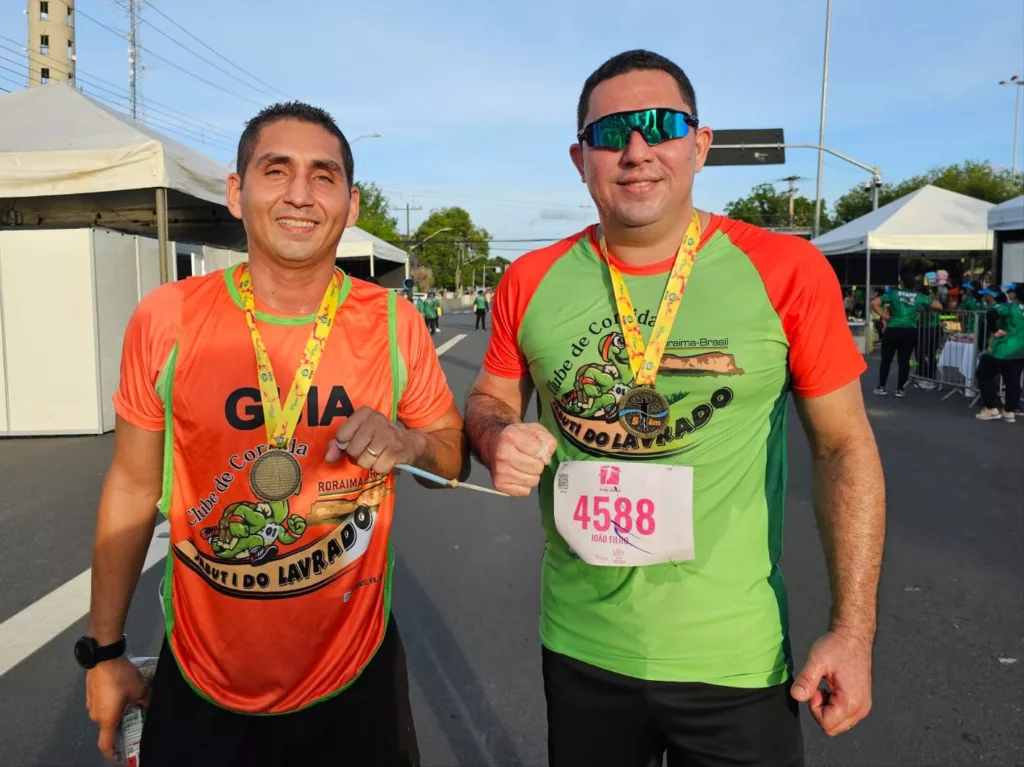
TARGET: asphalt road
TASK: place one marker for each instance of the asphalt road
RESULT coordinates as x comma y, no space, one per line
949,673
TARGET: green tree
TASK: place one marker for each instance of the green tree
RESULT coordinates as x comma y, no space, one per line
975,179
488,278
768,206
375,213
449,253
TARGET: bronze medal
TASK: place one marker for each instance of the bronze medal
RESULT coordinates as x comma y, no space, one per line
643,412
275,476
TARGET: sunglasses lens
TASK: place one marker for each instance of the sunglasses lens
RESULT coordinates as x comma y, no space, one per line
611,132
673,124
655,125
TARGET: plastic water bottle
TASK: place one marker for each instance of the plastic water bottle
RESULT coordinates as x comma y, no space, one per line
129,730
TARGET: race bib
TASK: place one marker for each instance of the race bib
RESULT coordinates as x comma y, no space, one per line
625,514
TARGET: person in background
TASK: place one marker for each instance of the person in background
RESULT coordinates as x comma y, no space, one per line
848,303
930,334
968,303
900,315
876,321
1004,357
990,297
430,307
480,307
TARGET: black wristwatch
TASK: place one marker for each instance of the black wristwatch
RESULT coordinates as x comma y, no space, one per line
88,651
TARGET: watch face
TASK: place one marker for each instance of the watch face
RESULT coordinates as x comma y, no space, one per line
85,652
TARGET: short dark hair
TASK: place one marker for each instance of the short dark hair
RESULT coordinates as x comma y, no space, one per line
634,61
291,110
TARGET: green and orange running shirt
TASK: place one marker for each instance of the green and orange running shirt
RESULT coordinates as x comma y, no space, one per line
273,604
761,316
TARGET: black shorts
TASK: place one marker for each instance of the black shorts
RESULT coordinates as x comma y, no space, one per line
597,717
370,723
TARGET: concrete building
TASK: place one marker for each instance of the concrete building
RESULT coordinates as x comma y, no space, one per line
51,40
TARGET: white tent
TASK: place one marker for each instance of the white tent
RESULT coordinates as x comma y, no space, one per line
928,220
68,161
1007,215
355,243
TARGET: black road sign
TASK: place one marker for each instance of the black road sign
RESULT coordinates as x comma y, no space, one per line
733,147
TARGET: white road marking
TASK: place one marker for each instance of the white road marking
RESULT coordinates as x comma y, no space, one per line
24,633
449,344
1007,661
27,631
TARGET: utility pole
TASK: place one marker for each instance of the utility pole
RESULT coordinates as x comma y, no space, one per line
134,67
408,230
792,195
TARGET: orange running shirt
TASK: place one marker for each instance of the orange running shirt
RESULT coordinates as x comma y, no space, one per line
273,605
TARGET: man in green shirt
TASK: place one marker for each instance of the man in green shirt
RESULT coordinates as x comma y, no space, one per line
900,310
430,307
660,452
480,307
1004,357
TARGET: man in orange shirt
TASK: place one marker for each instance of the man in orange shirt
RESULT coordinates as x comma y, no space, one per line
277,482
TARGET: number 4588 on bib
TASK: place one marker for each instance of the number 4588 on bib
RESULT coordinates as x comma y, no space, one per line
625,514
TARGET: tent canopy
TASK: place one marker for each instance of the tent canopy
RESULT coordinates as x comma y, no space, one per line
66,160
355,243
928,220
1007,215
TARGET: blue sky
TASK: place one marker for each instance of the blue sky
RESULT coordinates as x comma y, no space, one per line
475,101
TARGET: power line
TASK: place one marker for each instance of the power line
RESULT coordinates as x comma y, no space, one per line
171,130
192,133
87,80
163,124
523,204
12,81
213,50
8,69
204,60
171,63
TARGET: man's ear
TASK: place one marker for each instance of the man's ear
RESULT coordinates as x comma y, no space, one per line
235,195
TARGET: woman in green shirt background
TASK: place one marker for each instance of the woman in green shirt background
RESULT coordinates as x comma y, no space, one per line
900,310
1003,357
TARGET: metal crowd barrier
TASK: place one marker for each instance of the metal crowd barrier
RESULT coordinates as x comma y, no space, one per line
949,345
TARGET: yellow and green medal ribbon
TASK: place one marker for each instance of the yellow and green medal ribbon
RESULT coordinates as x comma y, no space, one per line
281,420
643,412
644,359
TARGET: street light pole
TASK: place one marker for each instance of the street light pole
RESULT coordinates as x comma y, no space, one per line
821,127
1019,82
408,253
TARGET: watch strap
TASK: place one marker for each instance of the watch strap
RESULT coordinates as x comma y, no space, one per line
111,651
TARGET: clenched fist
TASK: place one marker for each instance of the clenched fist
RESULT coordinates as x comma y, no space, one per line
521,452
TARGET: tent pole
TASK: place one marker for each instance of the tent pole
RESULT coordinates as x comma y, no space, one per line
161,235
868,319
373,273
